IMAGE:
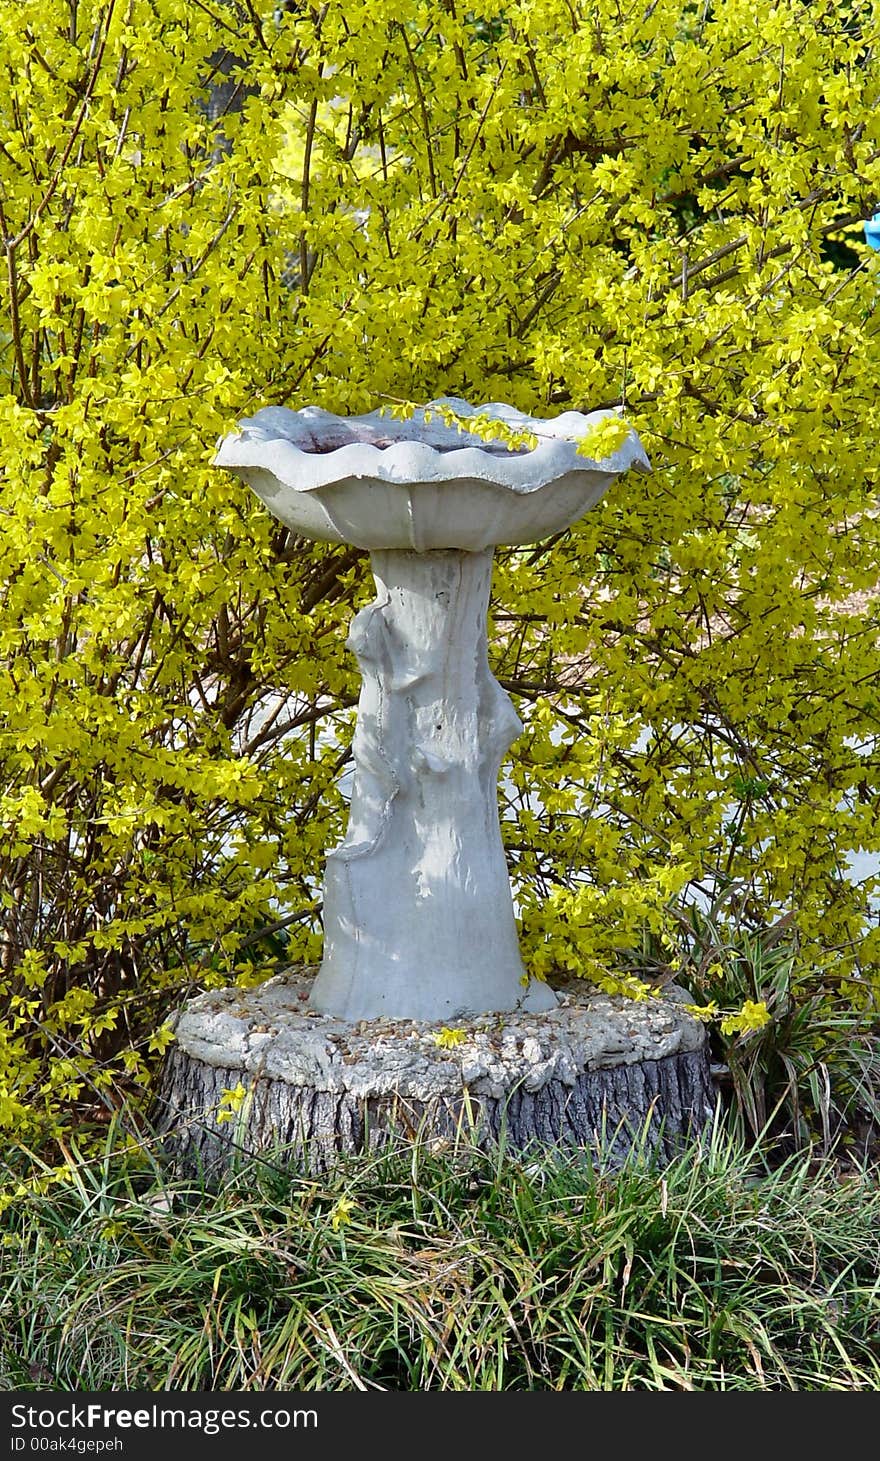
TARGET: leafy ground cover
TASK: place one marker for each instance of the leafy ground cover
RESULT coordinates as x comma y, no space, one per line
447,1271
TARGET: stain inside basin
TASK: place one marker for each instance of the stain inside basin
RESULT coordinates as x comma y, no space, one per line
493,448
321,440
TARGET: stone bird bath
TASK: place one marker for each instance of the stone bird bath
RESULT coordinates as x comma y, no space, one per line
419,926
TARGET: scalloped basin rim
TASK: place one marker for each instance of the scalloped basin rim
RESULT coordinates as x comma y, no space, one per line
308,449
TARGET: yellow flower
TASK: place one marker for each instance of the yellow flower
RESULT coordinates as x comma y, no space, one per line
704,1012
447,1038
604,438
341,1213
231,1102
754,1015
160,1038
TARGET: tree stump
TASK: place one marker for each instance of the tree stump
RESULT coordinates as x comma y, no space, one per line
600,1073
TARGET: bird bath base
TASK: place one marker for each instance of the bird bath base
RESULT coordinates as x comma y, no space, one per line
595,1073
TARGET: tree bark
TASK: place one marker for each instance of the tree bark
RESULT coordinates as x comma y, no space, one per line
658,1106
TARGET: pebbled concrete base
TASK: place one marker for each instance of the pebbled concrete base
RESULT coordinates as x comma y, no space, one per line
318,1086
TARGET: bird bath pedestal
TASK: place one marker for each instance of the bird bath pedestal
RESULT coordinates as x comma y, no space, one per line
419,927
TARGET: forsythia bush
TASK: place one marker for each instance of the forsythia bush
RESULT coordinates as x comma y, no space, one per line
207,208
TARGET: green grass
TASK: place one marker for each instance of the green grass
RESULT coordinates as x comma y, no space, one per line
447,1272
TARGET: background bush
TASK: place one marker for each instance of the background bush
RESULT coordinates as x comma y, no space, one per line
210,208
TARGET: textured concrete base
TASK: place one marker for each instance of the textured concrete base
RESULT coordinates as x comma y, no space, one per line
594,1069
